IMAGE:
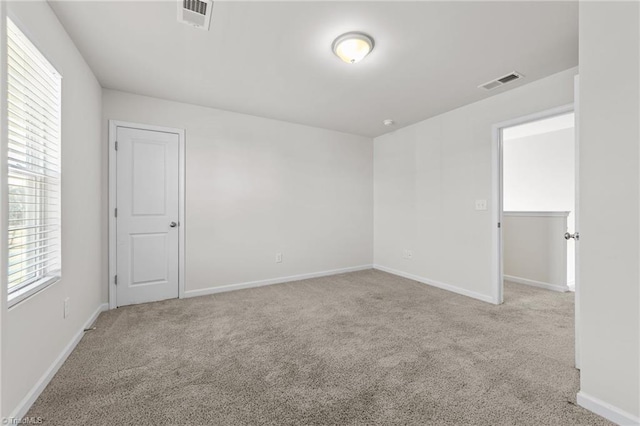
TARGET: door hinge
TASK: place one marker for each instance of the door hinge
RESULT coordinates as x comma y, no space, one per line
498,224
116,145
115,212
115,280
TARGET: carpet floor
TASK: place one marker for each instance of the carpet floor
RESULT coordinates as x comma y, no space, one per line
359,348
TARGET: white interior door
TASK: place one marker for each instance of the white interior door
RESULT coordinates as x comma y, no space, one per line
147,220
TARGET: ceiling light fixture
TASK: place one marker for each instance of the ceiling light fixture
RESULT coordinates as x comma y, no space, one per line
388,122
352,47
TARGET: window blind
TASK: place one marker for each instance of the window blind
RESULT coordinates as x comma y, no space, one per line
33,155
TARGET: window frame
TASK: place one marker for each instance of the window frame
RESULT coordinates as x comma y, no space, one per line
23,291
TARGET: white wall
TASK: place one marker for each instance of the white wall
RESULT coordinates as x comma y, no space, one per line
539,175
609,136
34,332
539,172
535,251
427,178
257,186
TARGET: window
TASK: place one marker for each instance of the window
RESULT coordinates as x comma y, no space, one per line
33,156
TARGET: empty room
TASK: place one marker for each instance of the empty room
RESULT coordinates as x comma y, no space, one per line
319,212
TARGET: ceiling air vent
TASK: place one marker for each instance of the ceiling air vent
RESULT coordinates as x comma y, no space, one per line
513,76
196,13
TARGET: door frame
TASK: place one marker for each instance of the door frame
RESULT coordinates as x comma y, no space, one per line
113,127
497,189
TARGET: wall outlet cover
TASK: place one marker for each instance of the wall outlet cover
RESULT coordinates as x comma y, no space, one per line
481,204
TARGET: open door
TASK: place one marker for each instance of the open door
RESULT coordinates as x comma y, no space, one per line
576,233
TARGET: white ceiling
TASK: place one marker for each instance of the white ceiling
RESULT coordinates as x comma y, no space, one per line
273,59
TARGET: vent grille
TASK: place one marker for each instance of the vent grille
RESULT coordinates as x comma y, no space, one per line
196,6
196,13
501,81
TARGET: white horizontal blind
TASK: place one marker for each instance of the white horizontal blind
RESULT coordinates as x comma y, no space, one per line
33,154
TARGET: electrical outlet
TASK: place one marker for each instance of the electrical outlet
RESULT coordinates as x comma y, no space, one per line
278,257
481,204
409,254
66,307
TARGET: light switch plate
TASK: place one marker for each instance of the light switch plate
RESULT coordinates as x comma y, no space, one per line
481,204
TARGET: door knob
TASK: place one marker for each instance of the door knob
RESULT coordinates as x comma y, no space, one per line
568,236
173,224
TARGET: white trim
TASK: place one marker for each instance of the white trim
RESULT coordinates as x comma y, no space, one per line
496,190
4,197
113,126
496,214
112,220
26,403
271,281
534,283
438,284
606,410
537,214
29,290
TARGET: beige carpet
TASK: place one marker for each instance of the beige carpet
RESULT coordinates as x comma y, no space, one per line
358,348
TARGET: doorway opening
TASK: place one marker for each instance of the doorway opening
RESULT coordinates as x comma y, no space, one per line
536,208
538,203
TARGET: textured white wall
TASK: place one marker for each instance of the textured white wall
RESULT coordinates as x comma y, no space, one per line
257,186
609,135
539,175
34,332
428,176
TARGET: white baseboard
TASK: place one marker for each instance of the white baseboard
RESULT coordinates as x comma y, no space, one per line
444,286
607,410
271,281
539,284
23,407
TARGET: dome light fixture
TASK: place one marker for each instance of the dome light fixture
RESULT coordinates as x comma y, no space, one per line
352,47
